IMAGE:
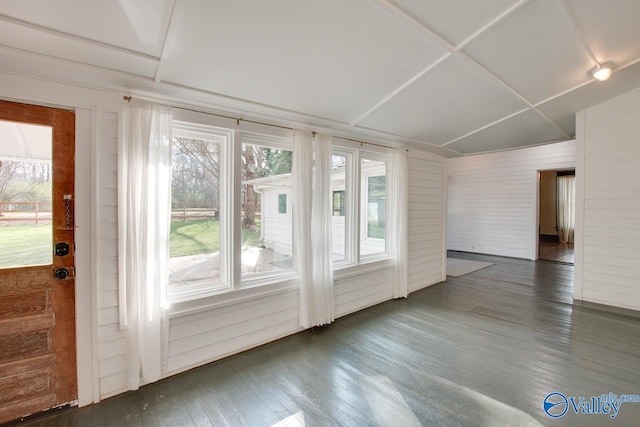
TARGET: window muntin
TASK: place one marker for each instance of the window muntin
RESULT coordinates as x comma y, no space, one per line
266,233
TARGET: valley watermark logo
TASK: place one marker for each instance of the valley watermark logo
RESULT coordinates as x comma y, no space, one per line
557,404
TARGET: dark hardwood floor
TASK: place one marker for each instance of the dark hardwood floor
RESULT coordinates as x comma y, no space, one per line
556,251
478,350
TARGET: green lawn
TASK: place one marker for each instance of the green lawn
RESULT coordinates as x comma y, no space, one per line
32,244
202,236
25,244
193,237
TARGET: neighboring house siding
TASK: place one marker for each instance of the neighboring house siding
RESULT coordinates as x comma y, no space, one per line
607,263
277,227
427,210
492,199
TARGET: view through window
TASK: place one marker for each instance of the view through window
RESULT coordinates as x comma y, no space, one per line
195,211
267,227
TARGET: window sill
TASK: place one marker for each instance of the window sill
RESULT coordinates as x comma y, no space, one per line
366,266
261,287
226,297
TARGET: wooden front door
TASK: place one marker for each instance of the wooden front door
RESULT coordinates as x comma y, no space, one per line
37,295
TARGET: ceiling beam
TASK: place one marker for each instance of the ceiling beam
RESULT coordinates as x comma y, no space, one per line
409,20
576,30
52,32
400,89
168,38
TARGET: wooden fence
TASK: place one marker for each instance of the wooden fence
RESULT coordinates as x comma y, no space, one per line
187,212
26,212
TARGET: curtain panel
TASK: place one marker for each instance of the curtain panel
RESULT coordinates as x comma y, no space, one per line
399,215
144,204
312,227
566,186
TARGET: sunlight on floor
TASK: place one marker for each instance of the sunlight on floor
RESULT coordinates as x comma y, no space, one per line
295,420
387,404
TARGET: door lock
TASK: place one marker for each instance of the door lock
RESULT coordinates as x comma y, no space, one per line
64,273
61,273
62,249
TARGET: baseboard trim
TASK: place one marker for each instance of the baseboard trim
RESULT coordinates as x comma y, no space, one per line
608,308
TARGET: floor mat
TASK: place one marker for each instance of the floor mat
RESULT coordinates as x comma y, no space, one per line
457,267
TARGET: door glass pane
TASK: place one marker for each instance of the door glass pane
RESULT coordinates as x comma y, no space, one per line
267,227
195,212
25,195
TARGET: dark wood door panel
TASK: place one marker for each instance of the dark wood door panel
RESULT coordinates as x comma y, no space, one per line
37,312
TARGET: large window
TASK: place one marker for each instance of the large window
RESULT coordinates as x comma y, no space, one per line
231,219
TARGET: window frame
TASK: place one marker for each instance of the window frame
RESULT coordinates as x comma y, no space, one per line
224,138
257,279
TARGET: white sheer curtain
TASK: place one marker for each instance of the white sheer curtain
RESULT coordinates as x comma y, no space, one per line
302,171
399,219
566,207
312,227
321,230
144,220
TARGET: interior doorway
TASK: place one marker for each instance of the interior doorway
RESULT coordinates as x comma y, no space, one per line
556,215
37,251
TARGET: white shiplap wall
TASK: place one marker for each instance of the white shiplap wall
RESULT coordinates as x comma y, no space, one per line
112,341
608,266
492,199
224,329
427,214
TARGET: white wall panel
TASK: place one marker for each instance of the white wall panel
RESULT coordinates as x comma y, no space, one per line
492,199
427,210
608,272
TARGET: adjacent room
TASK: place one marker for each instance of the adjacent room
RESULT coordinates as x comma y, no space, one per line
340,213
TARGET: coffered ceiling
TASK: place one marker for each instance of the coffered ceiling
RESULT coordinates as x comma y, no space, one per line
455,77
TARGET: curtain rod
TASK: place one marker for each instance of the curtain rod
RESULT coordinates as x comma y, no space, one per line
128,98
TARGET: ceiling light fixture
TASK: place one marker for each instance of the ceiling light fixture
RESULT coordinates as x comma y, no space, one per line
601,72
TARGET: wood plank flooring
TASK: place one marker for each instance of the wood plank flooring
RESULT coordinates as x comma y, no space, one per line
482,349
556,251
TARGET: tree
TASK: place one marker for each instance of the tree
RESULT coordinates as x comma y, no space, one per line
196,172
24,181
260,162
249,171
